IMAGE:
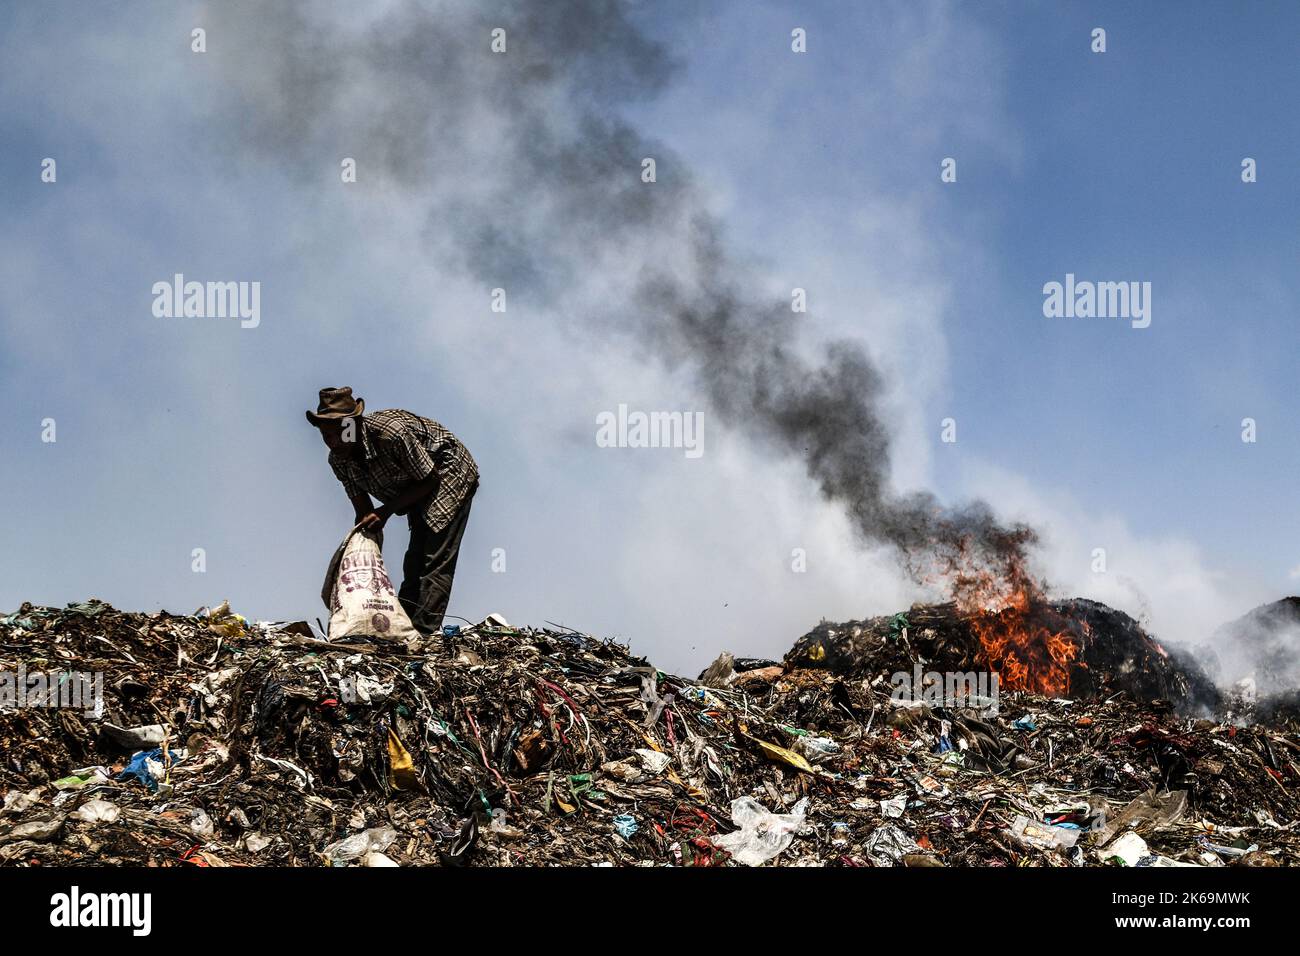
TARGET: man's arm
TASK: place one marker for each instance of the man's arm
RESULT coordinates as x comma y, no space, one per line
361,506
410,495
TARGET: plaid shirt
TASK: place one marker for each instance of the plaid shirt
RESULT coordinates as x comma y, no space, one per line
398,448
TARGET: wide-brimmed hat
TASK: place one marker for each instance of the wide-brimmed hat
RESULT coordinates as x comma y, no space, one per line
336,403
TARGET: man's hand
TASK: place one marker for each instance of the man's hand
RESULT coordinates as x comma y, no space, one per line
374,521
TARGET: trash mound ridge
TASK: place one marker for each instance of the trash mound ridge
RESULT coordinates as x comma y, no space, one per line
1115,655
223,742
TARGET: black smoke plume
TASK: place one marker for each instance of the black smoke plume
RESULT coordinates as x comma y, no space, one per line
530,177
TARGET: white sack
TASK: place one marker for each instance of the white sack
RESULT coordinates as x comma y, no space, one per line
360,595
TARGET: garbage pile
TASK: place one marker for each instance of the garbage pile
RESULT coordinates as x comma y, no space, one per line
217,741
1114,654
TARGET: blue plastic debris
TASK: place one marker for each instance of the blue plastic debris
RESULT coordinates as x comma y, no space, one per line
945,742
138,768
625,824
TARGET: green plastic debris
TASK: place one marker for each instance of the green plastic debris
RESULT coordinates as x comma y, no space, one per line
92,608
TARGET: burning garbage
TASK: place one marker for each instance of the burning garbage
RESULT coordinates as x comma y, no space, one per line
1075,648
218,741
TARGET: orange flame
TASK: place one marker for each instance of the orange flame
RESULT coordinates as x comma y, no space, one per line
1026,643
1026,655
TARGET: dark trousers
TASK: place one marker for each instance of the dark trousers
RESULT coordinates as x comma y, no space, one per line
429,566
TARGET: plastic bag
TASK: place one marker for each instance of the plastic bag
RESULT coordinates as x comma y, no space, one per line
887,845
816,749
762,835
374,840
360,594
97,811
653,761
201,824
1130,849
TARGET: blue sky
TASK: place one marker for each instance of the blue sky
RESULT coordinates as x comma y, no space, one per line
825,168
1132,168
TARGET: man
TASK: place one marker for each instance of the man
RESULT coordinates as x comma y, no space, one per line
416,468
